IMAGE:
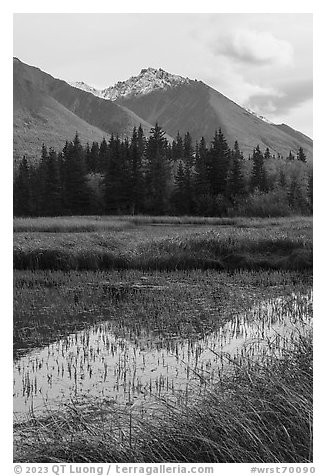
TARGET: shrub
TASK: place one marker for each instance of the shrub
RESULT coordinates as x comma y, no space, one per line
265,204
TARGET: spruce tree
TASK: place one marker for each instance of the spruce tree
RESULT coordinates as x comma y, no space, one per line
219,158
22,190
188,150
94,158
141,142
157,171
301,156
35,197
87,154
76,190
117,179
53,203
236,184
178,197
201,181
177,148
136,173
42,178
290,157
258,176
267,154
188,160
103,156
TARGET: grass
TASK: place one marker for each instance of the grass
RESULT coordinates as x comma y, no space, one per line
50,304
103,223
260,411
129,243
168,276
73,224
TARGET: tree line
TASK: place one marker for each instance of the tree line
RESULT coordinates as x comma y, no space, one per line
140,175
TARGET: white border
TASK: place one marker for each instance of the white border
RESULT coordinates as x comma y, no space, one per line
6,185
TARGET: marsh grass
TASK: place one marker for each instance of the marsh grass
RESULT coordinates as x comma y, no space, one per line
52,304
75,224
248,245
201,272
260,411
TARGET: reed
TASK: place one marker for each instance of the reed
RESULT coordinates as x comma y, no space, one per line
246,245
106,293
260,411
52,304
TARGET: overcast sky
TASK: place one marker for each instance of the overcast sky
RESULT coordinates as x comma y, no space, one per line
262,61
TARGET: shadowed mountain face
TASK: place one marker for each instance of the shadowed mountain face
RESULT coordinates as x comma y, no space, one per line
199,109
50,111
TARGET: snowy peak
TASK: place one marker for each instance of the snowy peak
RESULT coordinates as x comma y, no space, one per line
148,80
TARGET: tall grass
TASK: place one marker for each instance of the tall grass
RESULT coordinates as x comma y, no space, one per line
259,412
75,224
257,245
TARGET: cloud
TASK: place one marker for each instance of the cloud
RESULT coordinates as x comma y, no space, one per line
290,96
260,66
253,47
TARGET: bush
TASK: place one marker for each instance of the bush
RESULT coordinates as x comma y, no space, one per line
265,204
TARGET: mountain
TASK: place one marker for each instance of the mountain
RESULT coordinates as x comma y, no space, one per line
263,118
199,109
147,81
50,111
181,104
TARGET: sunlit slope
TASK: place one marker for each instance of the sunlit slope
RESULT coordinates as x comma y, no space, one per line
199,109
52,125
51,111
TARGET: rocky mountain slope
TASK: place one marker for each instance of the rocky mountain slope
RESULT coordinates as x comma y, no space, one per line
50,111
181,104
148,80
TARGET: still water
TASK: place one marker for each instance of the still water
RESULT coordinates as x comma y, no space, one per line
125,368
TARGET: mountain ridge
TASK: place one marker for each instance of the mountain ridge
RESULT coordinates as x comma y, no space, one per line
48,110
201,110
183,105
151,74
177,103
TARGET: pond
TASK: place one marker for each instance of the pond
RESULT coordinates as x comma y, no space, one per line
129,369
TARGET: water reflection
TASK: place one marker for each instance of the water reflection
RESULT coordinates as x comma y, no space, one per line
126,368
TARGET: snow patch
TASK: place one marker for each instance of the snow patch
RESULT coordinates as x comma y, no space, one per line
257,115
